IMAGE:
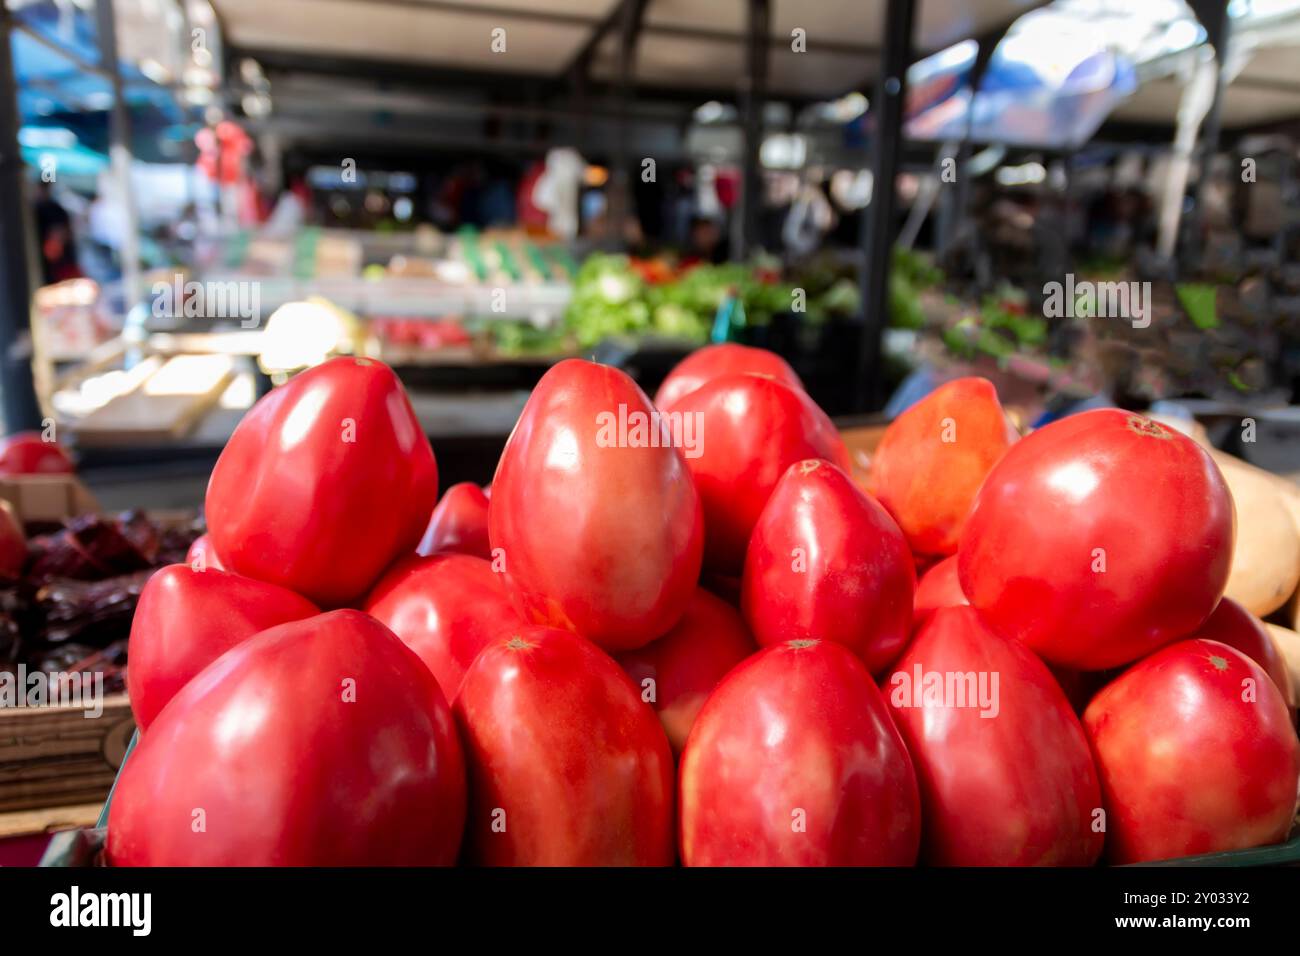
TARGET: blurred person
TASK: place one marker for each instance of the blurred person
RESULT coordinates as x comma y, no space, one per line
55,235
704,242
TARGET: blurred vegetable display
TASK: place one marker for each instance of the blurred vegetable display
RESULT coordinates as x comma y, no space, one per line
615,295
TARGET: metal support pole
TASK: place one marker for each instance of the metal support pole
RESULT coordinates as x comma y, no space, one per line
19,409
746,230
878,219
119,154
1214,14
620,195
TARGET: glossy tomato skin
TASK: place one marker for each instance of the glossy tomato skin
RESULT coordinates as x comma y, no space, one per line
322,742
794,762
1098,539
13,544
1193,758
27,453
933,458
202,555
714,361
324,483
826,561
567,766
446,608
1232,624
752,429
459,523
686,664
940,586
1005,773
186,619
601,532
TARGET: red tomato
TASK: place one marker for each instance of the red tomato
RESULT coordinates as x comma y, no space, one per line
794,762
751,429
1196,753
28,453
1006,777
13,544
938,587
202,556
459,523
933,458
826,561
323,742
680,669
446,608
186,619
1098,539
567,766
324,482
600,523
714,361
1232,624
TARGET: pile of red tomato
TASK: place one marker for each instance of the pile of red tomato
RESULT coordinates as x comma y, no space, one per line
635,650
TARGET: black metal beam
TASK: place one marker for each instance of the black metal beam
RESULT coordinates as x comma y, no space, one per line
755,99
878,221
19,408
72,56
603,24
578,69
631,15
959,199
1213,15
416,75
480,8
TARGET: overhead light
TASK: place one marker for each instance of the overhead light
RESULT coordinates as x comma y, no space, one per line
783,151
714,112
1020,175
846,109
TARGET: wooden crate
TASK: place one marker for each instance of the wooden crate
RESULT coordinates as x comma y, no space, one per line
58,757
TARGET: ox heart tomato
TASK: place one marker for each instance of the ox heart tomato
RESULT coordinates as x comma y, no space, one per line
677,672
324,483
1006,777
1196,753
1099,538
751,429
933,458
13,544
322,742
446,608
594,510
794,762
1232,624
28,453
714,361
567,766
939,587
827,561
202,555
186,619
459,523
